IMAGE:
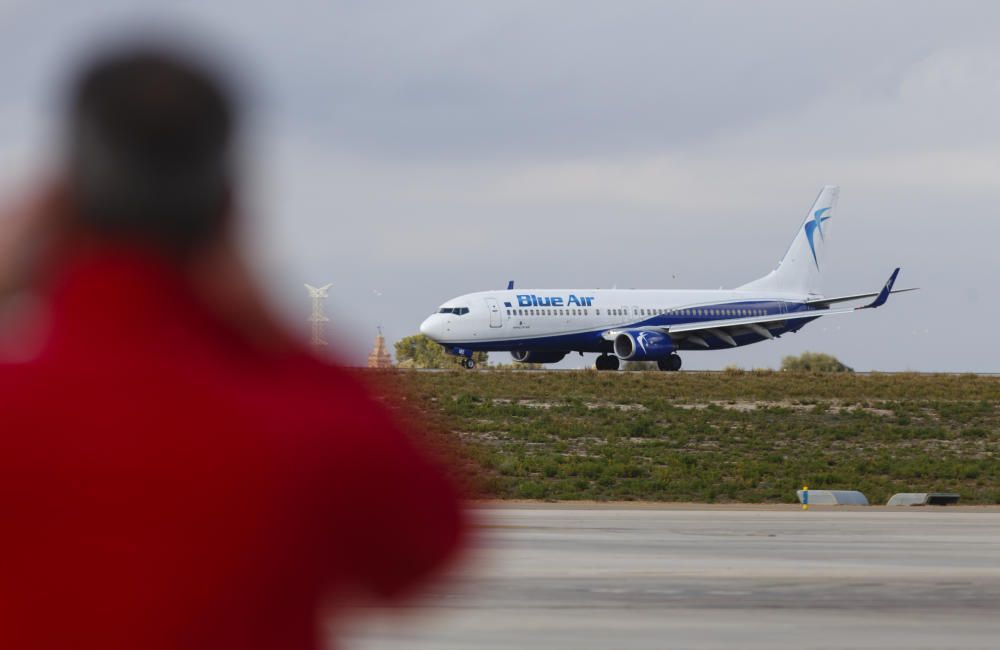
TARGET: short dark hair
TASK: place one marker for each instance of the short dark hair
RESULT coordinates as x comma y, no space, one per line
150,149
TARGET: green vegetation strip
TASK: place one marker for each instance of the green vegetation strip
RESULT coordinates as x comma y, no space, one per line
746,437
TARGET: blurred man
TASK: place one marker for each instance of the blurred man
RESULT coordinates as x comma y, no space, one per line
174,471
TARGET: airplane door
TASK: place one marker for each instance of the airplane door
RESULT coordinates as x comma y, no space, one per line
494,307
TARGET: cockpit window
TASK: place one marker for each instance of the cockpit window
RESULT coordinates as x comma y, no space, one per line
458,311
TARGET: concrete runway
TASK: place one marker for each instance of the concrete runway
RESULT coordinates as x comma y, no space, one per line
703,577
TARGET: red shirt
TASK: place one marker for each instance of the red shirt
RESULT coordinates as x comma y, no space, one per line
163,484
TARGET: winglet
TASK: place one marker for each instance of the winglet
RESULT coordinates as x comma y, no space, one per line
884,294
510,285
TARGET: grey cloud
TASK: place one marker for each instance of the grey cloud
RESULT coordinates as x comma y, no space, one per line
434,148
593,78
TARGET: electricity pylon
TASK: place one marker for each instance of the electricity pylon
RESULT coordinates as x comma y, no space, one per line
318,317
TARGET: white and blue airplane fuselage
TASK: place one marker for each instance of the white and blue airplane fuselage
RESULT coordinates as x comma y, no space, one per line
544,325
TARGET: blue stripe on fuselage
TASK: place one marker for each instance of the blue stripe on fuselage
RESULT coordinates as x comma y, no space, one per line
593,341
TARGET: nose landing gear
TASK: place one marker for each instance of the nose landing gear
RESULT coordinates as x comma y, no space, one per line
468,364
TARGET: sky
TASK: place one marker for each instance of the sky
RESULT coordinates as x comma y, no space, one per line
409,152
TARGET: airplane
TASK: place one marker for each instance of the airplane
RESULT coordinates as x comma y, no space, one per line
544,325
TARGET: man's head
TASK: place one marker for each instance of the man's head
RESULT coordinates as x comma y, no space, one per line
149,155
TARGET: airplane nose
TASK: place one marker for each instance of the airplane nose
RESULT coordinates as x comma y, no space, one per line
436,328
430,328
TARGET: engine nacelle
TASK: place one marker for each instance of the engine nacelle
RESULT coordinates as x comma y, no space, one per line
642,345
536,356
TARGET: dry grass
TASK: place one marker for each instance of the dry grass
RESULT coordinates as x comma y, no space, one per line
750,437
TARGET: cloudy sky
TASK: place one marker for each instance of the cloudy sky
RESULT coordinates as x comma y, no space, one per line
408,152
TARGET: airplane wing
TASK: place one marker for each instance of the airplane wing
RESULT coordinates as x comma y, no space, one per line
760,324
826,302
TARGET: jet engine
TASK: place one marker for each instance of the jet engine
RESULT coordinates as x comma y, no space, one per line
536,356
642,345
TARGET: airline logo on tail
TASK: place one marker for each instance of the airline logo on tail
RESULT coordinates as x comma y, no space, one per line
812,227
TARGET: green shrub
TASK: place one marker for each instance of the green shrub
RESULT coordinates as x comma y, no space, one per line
814,362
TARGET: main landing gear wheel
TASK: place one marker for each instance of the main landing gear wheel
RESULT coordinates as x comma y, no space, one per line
670,364
606,362
468,364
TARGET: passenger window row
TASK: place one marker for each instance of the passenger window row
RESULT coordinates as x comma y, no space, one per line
716,312
550,312
692,312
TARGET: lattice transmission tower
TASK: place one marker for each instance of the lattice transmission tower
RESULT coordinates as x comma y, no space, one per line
318,318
